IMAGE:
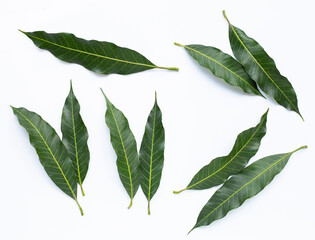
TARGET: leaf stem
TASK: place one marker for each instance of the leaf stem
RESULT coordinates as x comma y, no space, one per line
168,68
149,212
178,44
81,210
299,149
177,192
226,17
130,204
83,194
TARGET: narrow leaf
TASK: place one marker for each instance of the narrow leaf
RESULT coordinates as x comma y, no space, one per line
75,136
262,68
218,170
151,153
125,146
222,66
99,57
242,186
51,152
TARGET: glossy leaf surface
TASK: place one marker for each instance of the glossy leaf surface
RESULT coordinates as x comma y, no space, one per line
75,136
151,153
262,68
242,186
222,66
124,144
99,57
51,152
218,170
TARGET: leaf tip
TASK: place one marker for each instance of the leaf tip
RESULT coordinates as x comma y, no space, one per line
104,94
190,230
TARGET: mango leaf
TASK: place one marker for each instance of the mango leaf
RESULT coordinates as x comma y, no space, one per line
222,66
218,170
75,136
51,152
242,186
125,146
99,57
262,68
151,153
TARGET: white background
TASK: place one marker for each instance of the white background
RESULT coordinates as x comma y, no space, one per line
202,116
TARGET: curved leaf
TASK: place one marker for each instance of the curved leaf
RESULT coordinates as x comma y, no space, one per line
75,136
125,146
218,170
151,153
99,57
51,152
222,66
242,186
262,68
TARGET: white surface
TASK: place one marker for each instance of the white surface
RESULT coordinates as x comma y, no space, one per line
202,117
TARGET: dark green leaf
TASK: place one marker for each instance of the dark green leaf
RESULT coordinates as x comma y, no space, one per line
99,57
242,186
262,68
151,153
218,170
51,152
125,146
75,136
222,66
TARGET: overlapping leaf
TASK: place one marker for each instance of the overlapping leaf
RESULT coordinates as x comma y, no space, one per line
125,146
151,153
218,170
222,66
99,57
242,186
262,68
51,152
75,136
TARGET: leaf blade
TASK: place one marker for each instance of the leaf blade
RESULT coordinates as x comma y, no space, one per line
262,68
75,137
51,152
218,170
242,186
99,57
151,153
124,144
222,66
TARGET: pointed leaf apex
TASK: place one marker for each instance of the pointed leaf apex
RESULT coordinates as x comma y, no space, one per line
104,95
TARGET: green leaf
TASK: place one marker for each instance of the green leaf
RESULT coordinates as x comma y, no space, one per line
242,186
222,66
125,146
262,68
99,57
51,152
75,136
151,153
219,169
